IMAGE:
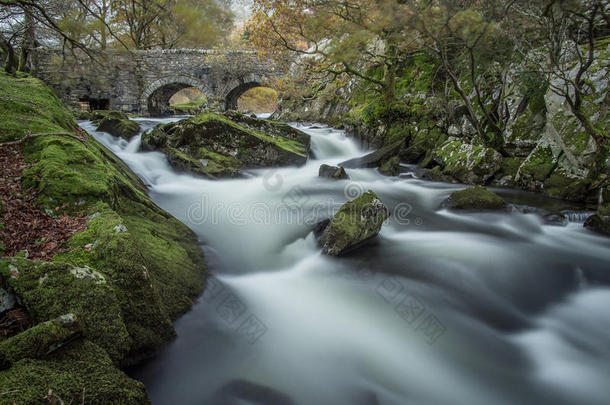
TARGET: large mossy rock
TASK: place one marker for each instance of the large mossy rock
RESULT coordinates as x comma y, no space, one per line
125,277
600,221
475,198
356,222
217,145
468,163
79,369
116,123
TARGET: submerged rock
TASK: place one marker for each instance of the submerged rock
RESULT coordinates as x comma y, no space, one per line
215,145
116,123
475,198
356,222
600,221
333,172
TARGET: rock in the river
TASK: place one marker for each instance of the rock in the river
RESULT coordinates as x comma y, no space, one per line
390,167
600,221
475,198
357,221
116,123
470,164
221,145
374,159
333,172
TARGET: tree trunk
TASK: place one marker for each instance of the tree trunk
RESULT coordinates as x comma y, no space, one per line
28,41
11,63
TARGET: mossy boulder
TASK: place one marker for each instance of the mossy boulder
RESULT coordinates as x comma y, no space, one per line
78,370
333,172
475,198
39,341
116,123
600,221
468,163
538,166
217,145
356,222
133,270
390,167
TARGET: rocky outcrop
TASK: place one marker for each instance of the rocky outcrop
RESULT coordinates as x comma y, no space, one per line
116,123
356,222
474,198
470,164
217,145
333,172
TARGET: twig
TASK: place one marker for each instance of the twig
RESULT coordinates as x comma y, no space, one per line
30,136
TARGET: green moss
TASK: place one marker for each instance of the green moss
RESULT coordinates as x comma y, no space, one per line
289,145
356,221
539,164
120,126
510,166
53,289
390,167
27,106
81,369
475,198
468,163
40,340
131,271
561,184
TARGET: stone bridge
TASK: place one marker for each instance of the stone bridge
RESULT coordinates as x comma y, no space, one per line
142,82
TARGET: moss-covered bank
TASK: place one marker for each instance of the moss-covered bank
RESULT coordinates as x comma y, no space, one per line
133,270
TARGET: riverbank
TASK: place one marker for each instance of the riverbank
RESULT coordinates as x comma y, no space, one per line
91,245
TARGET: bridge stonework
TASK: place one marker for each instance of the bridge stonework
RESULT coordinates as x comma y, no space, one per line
142,82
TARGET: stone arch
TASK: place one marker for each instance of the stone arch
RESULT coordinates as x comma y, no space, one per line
238,87
155,99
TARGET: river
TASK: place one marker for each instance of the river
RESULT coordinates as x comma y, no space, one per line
442,308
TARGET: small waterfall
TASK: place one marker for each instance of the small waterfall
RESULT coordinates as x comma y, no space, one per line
578,217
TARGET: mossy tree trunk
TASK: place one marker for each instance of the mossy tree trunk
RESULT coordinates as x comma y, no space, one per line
28,41
11,63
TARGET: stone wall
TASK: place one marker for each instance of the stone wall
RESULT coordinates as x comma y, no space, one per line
143,81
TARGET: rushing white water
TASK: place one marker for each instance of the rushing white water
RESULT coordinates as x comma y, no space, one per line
443,308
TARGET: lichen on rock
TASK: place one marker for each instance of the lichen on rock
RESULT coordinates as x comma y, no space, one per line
470,164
